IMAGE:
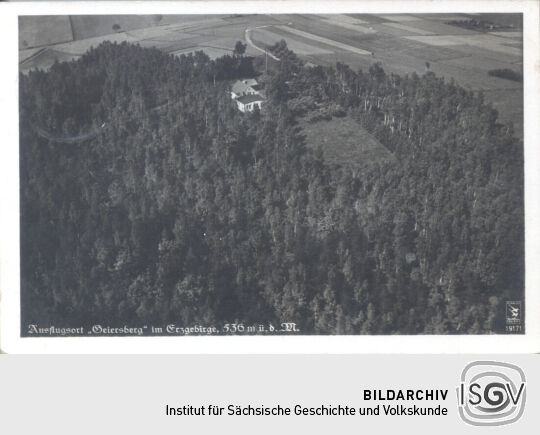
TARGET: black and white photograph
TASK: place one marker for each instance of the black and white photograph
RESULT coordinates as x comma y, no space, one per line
261,174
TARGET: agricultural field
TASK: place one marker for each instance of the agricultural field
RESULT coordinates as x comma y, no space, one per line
406,18
486,42
43,31
301,46
516,35
408,29
437,27
344,142
99,25
402,44
326,41
346,22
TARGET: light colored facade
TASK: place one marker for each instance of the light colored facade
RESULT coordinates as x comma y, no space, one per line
248,103
247,94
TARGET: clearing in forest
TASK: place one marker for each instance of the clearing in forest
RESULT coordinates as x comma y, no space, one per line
344,142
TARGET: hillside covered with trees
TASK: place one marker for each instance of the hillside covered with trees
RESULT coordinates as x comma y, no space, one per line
148,198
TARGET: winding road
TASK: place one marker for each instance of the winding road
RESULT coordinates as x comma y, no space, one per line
250,42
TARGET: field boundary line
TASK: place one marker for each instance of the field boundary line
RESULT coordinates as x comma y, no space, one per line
37,53
324,40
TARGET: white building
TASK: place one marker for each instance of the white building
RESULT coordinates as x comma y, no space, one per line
247,103
247,94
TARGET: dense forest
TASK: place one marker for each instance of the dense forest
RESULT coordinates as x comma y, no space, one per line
148,198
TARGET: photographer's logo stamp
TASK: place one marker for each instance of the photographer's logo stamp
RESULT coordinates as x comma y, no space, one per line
491,393
514,316
513,312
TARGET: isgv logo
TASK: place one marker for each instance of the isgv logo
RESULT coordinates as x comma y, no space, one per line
491,393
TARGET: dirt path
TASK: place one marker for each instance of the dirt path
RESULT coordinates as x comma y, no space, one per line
250,42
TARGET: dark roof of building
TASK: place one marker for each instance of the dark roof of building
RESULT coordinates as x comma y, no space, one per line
241,86
246,99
